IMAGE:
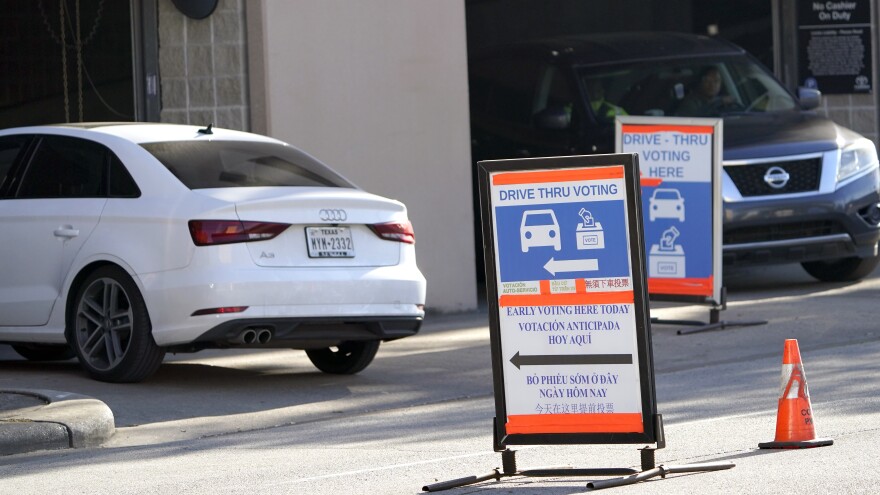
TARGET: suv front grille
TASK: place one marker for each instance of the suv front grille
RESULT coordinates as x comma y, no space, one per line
782,232
749,179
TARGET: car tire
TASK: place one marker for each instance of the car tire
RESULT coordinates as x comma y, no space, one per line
842,270
110,328
44,352
347,359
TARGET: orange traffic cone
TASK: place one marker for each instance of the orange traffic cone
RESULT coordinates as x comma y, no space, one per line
795,428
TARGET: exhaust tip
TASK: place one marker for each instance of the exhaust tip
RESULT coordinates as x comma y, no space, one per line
248,336
264,335
252,336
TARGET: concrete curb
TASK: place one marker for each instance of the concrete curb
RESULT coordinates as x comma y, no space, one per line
59,420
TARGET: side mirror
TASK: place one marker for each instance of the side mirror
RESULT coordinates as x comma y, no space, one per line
553,118
810,98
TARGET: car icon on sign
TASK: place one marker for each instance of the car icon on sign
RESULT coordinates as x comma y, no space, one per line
666,203
539,228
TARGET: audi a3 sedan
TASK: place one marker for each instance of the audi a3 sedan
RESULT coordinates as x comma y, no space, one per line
124,241
796,186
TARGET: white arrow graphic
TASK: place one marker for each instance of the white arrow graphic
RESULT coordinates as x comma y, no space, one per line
588,265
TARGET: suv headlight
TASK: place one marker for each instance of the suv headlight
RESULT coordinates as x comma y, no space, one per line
857,157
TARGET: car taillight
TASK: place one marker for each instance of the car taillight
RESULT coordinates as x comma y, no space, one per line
395,231
219,311
212,232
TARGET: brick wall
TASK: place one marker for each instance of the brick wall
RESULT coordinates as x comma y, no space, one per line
202,66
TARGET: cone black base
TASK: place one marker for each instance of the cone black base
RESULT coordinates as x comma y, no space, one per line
805,444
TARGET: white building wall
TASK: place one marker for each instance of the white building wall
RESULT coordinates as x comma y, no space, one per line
378,90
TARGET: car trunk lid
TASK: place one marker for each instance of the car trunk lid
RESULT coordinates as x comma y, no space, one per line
328,226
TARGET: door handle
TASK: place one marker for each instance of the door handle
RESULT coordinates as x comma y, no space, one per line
68,232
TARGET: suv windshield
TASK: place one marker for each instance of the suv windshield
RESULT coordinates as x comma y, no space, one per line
686,88
210,164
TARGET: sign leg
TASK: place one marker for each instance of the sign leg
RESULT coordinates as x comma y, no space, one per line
715,321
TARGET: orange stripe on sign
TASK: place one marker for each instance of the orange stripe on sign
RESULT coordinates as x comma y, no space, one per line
687,129
650,181
545,286
621,297
681,286
575,423
598,173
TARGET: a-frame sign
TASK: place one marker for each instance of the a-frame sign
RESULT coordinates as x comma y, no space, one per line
568,312
571,350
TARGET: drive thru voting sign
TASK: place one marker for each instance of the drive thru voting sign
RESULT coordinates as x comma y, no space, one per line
571,348
680,165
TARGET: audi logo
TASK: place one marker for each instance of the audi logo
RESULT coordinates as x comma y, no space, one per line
776,177
332,215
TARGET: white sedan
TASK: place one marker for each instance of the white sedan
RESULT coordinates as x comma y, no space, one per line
122,242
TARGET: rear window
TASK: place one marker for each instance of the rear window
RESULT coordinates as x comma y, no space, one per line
213,164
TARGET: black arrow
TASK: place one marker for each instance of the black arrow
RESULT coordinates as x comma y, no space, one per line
518,360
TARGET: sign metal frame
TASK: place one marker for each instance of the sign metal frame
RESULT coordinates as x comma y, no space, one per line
593,280
651,423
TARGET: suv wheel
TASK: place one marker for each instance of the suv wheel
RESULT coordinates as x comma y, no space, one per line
842,270
347,358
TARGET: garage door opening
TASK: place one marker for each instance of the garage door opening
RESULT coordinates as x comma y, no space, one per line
66,61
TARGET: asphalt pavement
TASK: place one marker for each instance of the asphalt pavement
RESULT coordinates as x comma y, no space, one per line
36,419
267,422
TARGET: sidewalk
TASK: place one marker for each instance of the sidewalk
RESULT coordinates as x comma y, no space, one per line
33,420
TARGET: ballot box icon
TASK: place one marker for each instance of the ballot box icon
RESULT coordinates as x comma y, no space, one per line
666,259
589,233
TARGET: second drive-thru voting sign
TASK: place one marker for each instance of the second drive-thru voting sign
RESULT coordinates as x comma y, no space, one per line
680,165
570,340
568,319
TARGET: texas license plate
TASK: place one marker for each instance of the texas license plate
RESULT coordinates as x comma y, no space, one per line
329,242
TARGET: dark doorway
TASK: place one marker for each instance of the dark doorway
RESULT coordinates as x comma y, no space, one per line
65,61
748,23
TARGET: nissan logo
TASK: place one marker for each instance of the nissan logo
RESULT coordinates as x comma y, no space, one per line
776,177
332,215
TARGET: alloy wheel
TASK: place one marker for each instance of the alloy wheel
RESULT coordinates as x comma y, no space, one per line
104,324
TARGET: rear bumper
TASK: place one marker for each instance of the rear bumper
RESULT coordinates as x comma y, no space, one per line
283,295
304,333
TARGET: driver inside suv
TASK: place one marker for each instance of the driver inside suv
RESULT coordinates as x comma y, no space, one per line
705,100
